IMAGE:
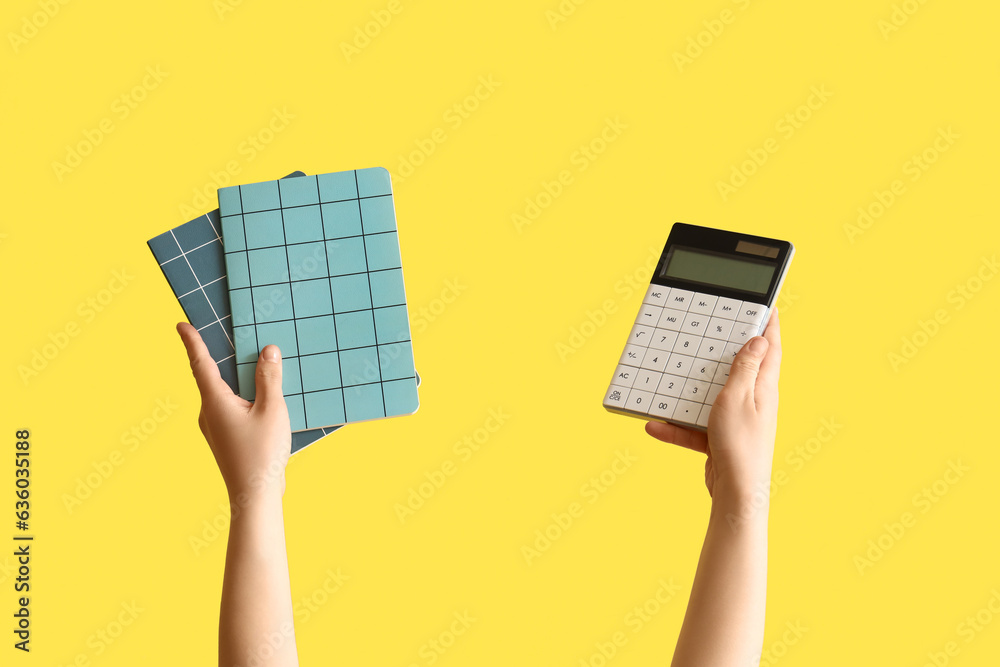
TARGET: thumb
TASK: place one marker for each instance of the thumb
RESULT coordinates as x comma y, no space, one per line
268,376
746,365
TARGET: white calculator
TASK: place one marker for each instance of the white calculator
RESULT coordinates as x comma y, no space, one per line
711,292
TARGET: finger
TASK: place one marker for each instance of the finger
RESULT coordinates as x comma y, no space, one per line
268,377
771,365
746,366
206,372
676,435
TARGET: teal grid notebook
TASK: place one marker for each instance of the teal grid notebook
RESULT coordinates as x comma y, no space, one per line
313,266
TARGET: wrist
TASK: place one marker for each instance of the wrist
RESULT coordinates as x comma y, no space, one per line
244,497
257,483
742,480
740,503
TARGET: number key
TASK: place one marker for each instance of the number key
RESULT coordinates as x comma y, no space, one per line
663,406
640,401
655,360
687,344
679,364
663,339
647,380
703,370
671,385
696,390
711,349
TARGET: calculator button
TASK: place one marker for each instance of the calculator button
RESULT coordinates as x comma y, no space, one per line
616,396
671,319
687,412
647,380
703,370
679,298
703,417
720,328
663,339
640,335
727,308
679,364
632,356
703,304
663,406
648,315
711,349
655,360
624,376
722,373
656,295
713,393
752,312
742,332
687,344
695,390
732,349
671,385
639,401
695,323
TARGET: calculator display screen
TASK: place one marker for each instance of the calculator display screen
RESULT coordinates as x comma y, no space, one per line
724,271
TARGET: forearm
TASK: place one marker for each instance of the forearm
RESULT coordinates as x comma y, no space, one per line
256,614
724,623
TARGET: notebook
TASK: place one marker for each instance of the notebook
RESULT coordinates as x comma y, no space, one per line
313,266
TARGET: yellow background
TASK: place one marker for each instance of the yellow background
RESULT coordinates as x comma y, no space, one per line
848,303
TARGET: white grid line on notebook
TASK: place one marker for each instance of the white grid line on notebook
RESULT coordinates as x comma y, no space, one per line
202,287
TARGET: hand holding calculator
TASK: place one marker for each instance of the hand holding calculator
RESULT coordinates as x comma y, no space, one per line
711,292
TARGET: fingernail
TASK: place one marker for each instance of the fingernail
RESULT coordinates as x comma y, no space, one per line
271,353
758,345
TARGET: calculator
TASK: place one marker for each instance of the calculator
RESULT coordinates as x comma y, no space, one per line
712,291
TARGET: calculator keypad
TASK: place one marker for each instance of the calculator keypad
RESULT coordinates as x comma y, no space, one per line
679,353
